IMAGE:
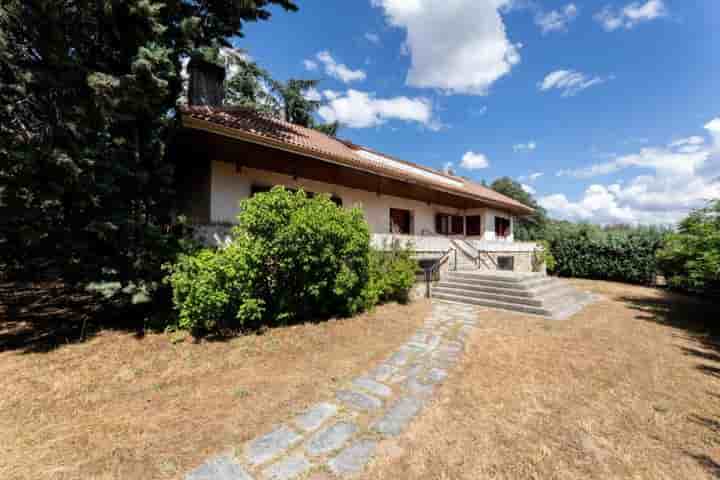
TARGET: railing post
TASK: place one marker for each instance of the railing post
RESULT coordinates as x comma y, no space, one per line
428,273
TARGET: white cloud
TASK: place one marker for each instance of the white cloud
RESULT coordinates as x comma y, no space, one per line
373,38
570,82
335,69
555,20
356,109
531,178
684,175
448,168
474,161
528,189
713,127
459,46
524,147
630,15
313,95
310,65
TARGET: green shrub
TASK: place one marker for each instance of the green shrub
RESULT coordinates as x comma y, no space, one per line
392,276
543,256
589,252
291,258
690,258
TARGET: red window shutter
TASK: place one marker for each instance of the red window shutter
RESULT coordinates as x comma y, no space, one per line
458,225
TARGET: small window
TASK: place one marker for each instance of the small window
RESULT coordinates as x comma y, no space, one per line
474,225
502,227
506,263
400,221
336,200
449,224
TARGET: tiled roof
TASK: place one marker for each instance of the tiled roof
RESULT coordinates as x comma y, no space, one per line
271,131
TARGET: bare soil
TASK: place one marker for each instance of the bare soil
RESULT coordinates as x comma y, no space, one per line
125,406
628,388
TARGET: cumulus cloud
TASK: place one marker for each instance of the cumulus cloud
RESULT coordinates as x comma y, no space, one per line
313,95
474,161
556,20
570,82
531,178
459,46
683,176
524,147
630,15
356,109
528,189
373,38
334,69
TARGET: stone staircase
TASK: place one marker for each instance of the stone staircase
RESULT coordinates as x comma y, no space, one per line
526,293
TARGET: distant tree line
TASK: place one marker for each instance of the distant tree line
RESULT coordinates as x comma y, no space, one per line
689,257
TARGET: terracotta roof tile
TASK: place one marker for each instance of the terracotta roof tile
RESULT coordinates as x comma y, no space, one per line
259,127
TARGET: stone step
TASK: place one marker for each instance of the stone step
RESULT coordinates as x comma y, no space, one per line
531,283
536,302
515,307
503,289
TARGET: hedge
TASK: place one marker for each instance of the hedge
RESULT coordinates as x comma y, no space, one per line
618,256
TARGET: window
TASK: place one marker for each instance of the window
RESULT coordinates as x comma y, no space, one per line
502,227
506,263
400,221
474,225
449,224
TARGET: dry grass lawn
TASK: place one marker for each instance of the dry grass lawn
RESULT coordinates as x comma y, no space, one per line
629,388
122,407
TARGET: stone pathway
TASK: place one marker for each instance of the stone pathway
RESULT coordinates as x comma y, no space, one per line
338,438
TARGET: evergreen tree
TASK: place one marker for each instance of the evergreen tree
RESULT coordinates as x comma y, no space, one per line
88,91
251,86
529,227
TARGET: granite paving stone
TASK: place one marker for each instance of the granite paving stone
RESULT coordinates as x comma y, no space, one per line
398,417
219,468
358,400
287,469
315,416
353,459
330,439
271,445
372,386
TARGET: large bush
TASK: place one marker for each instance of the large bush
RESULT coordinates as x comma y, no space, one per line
392,275
690,258
585,251
291,258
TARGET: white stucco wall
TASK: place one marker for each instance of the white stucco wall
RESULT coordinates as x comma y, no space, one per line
229,187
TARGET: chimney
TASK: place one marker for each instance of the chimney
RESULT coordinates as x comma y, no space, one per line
207,83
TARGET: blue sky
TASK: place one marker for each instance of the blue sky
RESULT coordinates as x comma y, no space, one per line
612,102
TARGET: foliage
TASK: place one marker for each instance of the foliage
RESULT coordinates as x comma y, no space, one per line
392,275
253,87
543,256
526,228
690,258
291,258
88,90
588,251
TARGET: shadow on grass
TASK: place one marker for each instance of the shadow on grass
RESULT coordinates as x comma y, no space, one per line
40,317
699,318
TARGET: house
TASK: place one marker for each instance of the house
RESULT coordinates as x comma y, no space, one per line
225,155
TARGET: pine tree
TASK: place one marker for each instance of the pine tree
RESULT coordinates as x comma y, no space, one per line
87,94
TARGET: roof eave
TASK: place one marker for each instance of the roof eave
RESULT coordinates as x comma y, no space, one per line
189,121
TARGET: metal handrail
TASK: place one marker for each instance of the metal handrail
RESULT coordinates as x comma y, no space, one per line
430,271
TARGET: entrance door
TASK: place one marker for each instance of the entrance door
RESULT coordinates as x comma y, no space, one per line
400,221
